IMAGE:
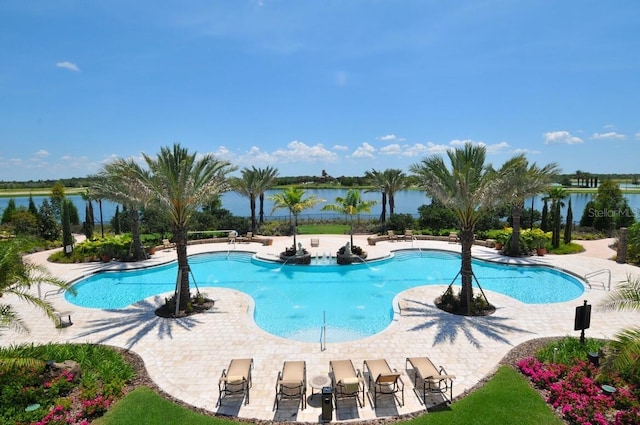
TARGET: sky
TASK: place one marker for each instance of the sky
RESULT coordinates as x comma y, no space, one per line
344,86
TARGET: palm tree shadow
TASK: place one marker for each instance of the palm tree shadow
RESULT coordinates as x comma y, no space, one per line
138,320
450,326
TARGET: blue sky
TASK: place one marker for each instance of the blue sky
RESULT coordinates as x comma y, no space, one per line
304,86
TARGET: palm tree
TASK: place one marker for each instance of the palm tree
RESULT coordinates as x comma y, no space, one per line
17,277
469,189
118,182
394,181
266,179
292,199
626,344
350,205
388,182
523,180
178,182
247,186
376,178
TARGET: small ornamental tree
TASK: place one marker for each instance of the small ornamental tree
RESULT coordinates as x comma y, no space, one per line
48,227
67,237
8,211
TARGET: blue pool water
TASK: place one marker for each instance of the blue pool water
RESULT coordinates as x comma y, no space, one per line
356,300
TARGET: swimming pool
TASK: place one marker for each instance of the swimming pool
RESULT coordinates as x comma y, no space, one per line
290,301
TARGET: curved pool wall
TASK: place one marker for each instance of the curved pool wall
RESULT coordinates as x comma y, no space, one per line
292,301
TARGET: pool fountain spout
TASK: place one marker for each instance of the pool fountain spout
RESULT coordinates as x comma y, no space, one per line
348,254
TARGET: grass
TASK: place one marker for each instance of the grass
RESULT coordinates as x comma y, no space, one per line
570,248
323,229
506,399
144,406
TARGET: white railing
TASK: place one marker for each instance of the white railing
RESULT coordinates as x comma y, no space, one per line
323,332
596,273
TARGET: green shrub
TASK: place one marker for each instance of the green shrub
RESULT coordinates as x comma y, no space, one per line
568,349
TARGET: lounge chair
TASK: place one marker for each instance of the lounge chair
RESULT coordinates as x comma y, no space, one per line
248,237
315,242
383,380
167,244
408,235
453,237
346,381
292,383
236,379
429,378
391,236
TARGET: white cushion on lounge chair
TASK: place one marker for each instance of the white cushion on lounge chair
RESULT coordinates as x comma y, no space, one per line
235,379
351,385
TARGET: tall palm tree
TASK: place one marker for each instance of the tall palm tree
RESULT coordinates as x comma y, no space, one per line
394,181
118,182
266,179
247,186
626,344
18,277
376,178
292,200
523,180
178,183
388,182
352,204
469,189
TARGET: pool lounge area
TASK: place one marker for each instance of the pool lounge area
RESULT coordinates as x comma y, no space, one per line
185,357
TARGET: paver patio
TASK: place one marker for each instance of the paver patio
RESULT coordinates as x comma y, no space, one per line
186,356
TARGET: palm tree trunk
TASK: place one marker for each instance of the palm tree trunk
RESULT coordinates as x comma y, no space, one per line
392,203
138,252
261,215
252,202
516,212
466,294
180,236
383,214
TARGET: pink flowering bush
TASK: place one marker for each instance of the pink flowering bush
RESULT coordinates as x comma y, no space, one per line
574,392
96,407
542,374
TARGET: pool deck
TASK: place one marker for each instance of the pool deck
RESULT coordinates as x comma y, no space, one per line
185,357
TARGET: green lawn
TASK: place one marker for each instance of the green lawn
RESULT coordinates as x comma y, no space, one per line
323,229
506,399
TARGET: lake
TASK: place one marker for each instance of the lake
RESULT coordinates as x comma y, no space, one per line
407,202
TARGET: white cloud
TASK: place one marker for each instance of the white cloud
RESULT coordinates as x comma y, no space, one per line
638,135
496,148
392,149
561,137
417,149
295,152
68,65
340,148
365,151
611,135
42,153
526,151
390,137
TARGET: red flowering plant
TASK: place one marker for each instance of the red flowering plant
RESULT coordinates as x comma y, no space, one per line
576,393
542,374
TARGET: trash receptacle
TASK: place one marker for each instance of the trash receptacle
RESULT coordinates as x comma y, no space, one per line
327,404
